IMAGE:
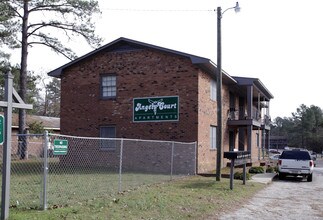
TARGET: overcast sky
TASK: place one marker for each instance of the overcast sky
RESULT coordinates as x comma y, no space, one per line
279,42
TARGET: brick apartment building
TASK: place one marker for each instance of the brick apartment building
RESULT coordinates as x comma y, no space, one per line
130,89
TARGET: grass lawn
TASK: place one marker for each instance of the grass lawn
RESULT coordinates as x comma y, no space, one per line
192,197
68,186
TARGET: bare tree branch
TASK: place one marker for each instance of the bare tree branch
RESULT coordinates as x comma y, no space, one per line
54,48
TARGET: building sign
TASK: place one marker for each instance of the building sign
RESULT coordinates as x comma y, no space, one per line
155,109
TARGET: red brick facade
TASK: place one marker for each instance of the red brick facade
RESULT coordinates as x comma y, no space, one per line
140,73
143,72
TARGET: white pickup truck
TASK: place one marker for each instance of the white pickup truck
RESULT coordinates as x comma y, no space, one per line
296,162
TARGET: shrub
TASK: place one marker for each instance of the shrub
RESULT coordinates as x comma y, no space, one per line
239,176
256,170
272,169
36,127
276,169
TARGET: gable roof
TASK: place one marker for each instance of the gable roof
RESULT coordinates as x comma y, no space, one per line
245,81
204,63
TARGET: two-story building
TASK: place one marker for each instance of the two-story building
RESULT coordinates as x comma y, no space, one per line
131,89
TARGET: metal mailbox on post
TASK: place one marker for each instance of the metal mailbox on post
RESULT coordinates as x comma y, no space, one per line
237,158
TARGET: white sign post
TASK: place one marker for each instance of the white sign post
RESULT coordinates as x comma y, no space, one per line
8,104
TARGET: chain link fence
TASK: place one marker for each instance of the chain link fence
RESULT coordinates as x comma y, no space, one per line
50,170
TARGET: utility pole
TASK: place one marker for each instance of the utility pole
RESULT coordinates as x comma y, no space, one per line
219,98
219,139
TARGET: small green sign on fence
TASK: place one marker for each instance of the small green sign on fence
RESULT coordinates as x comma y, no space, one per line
60,147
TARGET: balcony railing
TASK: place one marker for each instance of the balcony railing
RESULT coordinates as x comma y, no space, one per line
266,120
242,114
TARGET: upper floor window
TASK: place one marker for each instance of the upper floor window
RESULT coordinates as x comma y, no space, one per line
108,86
213,90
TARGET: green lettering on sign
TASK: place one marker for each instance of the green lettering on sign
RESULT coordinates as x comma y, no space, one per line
148,109
60,147
1,129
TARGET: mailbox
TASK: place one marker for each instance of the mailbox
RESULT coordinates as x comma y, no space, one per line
237,155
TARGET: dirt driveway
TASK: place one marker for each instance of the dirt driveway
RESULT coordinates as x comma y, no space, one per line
286,199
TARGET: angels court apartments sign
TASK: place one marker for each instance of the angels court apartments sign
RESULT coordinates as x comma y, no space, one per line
155,109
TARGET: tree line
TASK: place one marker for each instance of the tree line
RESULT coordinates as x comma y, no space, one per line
49,23
24,26
304,129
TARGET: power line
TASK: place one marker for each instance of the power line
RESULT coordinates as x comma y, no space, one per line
156,10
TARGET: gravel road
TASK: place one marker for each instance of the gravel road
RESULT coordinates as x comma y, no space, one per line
286,199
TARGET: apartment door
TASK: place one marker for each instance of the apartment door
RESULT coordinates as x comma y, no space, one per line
231,140
242,137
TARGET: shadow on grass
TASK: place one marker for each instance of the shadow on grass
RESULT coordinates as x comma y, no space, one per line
36,167
206,183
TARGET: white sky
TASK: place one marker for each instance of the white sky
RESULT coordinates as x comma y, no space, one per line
277,41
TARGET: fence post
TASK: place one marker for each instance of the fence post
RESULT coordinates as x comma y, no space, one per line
120,165
195,158
172,162
45,156
6,163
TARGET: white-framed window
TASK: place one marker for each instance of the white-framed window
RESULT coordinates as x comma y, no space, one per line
108,132
212,137
213,89
108,86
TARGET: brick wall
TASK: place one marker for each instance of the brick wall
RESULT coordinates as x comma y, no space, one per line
140,73
145,73
206,116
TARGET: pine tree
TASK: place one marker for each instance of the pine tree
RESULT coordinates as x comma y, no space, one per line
72,18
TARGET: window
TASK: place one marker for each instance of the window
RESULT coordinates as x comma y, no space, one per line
295,155
257,134
108,132
108,86
213,90
212,137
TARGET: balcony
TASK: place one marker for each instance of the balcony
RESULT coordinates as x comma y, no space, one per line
266,122
240,118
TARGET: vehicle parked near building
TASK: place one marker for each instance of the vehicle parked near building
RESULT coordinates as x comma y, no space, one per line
296,162
273,159
313,155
